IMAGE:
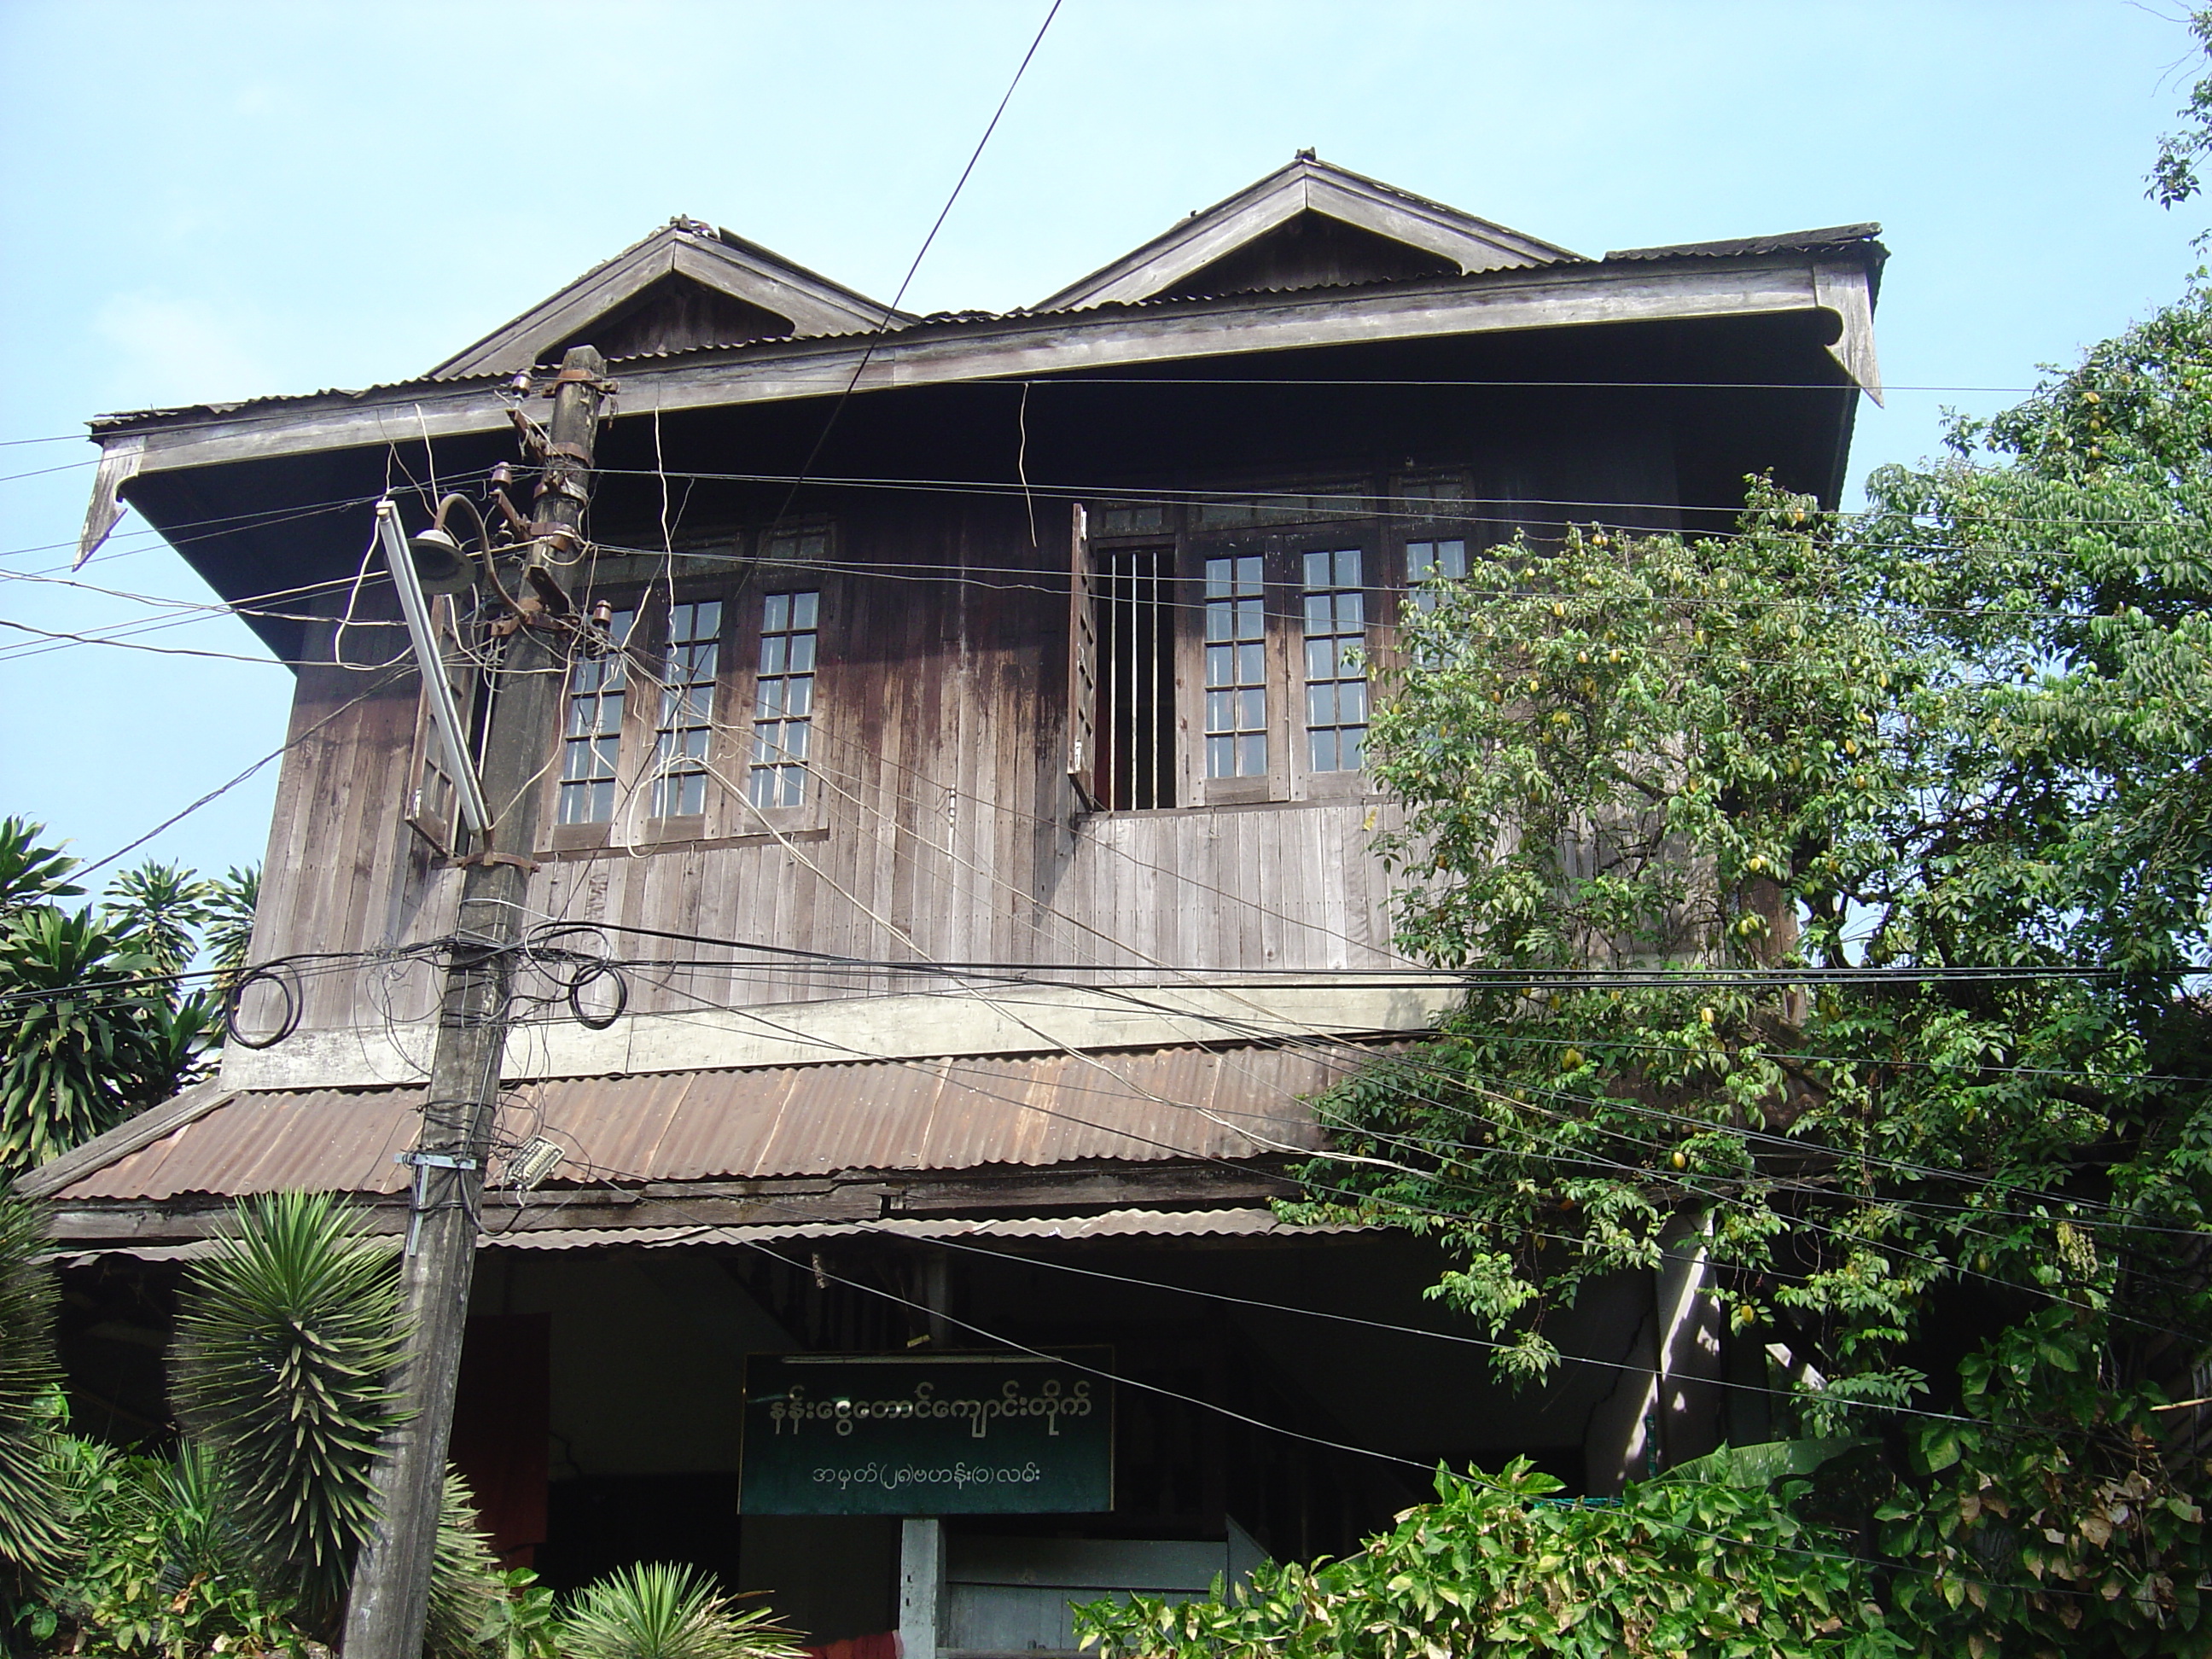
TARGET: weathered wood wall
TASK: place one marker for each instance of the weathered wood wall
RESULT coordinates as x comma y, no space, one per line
946,832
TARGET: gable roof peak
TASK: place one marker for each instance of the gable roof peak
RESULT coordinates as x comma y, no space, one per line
704,282
1375,227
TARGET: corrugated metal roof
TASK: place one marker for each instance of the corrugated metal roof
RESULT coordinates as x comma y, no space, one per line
1790,241
953,1113
1111,1223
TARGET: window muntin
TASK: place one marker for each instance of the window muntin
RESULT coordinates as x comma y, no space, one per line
1236,667
685,727
591,739
783,699
1335,612
1429,562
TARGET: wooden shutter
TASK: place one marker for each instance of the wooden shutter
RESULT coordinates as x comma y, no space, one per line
1082,665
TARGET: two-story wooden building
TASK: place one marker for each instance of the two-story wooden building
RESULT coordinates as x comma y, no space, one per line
974,805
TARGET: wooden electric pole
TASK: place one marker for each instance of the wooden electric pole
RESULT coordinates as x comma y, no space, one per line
385,1611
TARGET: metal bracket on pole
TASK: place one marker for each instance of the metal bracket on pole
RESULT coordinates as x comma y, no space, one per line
443,714
423,1163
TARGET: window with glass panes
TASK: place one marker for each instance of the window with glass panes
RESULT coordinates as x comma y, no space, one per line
783,699
1236,667
687,708
1427,563
1335,661
591,740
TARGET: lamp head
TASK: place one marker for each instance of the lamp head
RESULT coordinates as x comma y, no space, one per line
440,565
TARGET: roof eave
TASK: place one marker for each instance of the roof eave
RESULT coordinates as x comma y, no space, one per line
1030,345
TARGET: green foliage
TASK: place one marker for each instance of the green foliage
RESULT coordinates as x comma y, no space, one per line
158,1567
32,1521
521,1621
1968,729
161,908
661,1610
86,1040
95,1024
2173,175
1497,1566
31,873
232,900
284,1339
476,1610
246,1541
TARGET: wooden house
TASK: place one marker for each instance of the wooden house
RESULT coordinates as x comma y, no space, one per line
974,803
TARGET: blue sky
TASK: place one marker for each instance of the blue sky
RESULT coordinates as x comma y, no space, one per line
212,201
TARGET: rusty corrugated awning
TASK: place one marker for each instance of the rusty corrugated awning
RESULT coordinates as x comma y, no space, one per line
1112,1224
948,1114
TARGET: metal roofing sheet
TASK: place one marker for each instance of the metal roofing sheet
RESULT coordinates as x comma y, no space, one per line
1792,241
1111,1223
952,1114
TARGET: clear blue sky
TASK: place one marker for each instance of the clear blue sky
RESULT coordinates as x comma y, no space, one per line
212,201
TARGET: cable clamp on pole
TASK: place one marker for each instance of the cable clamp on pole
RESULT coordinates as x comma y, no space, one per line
419,1199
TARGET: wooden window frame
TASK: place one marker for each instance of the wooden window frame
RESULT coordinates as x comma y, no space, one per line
1289,776
728,814
741,816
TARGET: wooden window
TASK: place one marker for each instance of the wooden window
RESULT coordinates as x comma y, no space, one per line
1236,667
783,699
1135,590
591,730
1279,647
1335,625
690,661
1430,563
1122,614
1082,665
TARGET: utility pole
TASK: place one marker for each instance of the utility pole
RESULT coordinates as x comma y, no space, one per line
386,1612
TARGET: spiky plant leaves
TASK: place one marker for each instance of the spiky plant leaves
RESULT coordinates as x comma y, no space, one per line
284,1340
88,1033
232,900
474,1608
31,873
33,1532
666,1610
161,907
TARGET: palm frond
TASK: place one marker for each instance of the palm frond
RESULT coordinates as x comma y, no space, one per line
284,1340
33,1530
666,1610
31,873
465,1582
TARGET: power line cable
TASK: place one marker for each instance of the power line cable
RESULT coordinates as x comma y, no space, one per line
920,253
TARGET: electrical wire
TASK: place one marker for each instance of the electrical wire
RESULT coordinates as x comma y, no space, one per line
819,1271
891,315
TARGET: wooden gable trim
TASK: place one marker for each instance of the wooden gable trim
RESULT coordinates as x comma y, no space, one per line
1306,186
1033,346
726,264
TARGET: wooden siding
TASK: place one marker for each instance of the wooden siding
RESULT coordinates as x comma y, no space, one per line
942,827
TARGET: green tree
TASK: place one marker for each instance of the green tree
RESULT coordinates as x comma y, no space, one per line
244,1539
98,1019
1962,740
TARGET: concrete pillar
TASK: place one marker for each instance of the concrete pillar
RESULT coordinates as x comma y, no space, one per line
921,1585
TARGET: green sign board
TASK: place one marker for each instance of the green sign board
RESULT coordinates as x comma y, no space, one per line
928,1434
